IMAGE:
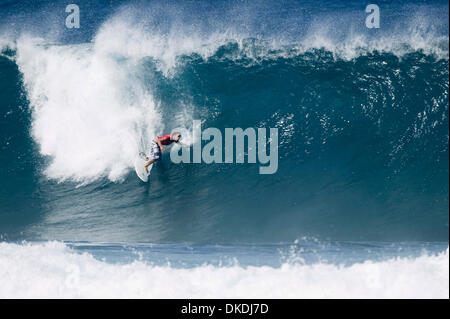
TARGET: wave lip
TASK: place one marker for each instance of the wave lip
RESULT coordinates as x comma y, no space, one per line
53,270
131,38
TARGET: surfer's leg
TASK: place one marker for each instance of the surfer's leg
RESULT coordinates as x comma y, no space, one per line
148,164
153,157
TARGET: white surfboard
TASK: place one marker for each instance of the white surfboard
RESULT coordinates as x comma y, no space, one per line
139,168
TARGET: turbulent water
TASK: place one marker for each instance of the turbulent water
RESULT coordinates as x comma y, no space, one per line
363,125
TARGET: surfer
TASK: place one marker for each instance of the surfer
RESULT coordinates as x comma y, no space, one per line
156,147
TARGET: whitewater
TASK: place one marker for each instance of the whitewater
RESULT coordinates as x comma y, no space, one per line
52,270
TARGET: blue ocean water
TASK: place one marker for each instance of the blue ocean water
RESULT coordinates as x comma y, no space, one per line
305,251
362,114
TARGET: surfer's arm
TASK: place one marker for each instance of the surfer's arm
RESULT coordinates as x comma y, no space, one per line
159,144
182,144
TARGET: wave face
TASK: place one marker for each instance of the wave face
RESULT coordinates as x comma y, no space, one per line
362,116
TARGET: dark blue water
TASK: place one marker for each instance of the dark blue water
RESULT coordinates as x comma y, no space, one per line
362,116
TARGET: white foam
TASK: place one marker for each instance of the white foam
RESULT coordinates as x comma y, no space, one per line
52,270
418,34
123,35
89,109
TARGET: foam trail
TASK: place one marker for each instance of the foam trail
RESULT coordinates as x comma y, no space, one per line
52,270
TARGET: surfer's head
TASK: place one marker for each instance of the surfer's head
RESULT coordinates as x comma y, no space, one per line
176,136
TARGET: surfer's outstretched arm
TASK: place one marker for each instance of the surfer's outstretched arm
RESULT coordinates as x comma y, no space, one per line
182,144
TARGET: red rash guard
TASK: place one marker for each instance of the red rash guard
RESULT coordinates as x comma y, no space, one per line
165,139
